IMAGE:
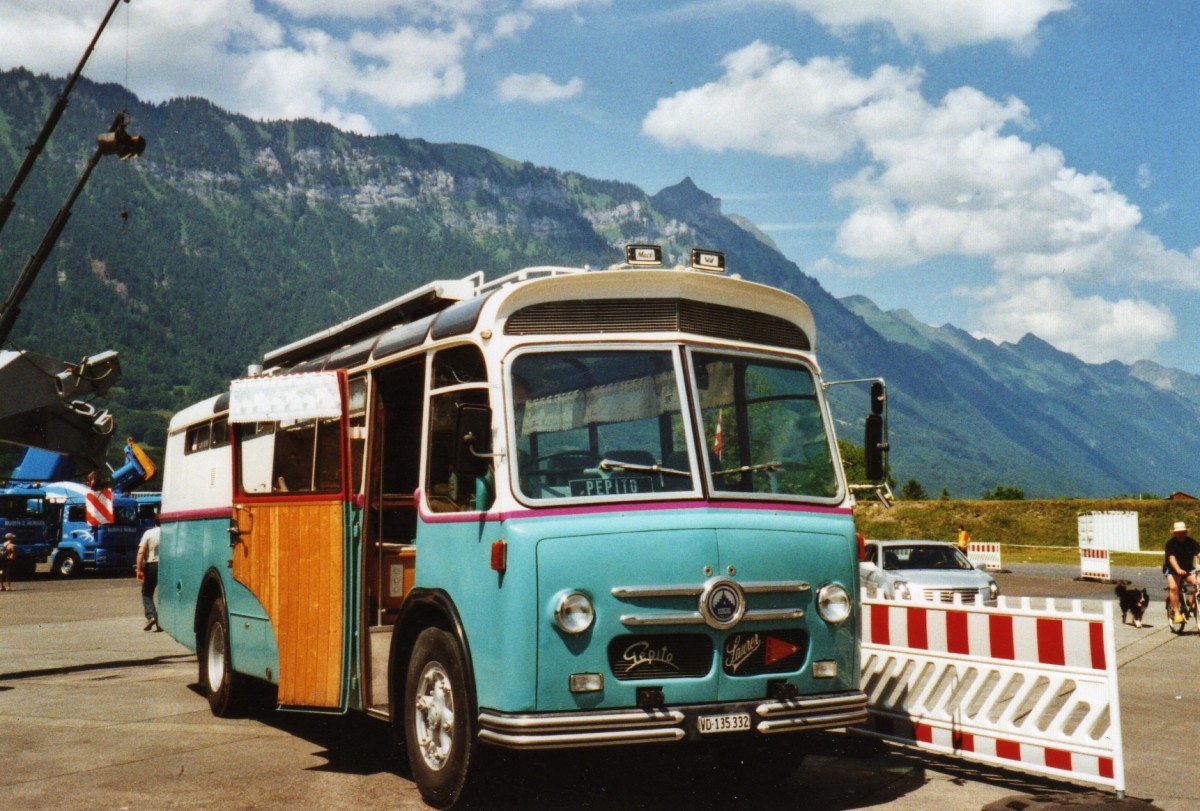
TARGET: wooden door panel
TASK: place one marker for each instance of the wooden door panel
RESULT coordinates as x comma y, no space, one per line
290,557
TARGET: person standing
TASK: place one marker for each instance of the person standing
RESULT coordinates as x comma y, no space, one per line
8,553
147,574
963,539
1179,556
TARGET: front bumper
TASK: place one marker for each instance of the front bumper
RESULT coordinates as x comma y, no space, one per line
667,724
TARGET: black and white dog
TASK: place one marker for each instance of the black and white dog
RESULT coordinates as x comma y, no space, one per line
1133,601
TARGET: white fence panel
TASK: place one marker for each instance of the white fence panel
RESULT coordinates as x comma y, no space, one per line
1015,686
1094,564
983,554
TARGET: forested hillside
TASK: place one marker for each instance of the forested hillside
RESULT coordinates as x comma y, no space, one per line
230,237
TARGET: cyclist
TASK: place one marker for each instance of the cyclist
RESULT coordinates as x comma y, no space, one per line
1178,559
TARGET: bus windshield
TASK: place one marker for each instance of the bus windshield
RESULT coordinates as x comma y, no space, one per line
599,424
763,426
614,424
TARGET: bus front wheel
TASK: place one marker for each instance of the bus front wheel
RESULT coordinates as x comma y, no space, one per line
437,727
222,686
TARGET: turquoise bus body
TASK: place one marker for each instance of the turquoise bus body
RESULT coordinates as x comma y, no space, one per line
662,551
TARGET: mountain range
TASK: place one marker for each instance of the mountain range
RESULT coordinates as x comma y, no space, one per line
229,237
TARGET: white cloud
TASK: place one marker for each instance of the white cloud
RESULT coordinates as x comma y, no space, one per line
1092,328
770,104
507,27
537,88
940,24
435,10
956,177
242,59
560,5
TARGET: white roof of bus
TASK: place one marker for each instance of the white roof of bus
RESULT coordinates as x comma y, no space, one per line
193,414
730,291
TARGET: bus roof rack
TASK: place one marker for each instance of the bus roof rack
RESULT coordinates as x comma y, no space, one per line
416,304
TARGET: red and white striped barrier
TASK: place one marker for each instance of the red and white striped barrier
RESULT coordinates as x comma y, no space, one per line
1094,564
986,555
1032,689
98,507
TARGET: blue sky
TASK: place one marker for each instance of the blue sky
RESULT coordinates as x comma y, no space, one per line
1014,167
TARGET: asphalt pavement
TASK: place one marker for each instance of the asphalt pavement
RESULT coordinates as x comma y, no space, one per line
96,713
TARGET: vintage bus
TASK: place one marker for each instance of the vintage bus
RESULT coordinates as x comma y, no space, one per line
564,508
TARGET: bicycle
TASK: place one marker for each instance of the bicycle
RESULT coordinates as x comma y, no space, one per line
1187,605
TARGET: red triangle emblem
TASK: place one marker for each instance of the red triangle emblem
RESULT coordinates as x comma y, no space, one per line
777,650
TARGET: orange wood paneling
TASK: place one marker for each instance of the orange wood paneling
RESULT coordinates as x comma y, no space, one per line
291,560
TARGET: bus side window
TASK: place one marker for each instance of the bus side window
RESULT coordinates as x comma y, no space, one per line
447,489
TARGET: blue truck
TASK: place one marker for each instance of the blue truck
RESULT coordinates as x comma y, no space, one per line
23,512
63,532
83,546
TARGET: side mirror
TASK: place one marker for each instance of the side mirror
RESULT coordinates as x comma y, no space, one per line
472,456
875,440
873,447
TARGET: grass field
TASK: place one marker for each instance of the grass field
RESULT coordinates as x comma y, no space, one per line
1027,530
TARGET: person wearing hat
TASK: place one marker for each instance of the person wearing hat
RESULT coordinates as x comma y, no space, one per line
7,553
1178,559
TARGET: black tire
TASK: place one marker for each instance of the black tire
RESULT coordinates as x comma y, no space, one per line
226,690
1176,627
67,564
437,718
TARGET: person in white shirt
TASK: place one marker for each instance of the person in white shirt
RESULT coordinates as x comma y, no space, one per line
147,574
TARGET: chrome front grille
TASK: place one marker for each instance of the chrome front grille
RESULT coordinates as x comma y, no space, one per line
699,591
966,595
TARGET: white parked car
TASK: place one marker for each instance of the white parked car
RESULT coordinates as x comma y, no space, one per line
923,570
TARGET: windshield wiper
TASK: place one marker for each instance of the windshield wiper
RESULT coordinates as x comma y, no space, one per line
610,464
748,468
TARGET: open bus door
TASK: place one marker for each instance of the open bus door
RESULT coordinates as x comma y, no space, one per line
291,539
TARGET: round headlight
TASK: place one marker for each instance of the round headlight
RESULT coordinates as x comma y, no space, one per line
901,591
833,603
574,612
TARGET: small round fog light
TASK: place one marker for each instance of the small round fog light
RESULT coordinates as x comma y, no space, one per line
833,603
574,612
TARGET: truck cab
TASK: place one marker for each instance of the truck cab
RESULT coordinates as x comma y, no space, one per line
23,512
87,546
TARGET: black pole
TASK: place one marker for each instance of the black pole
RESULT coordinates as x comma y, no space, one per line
12,305
7,202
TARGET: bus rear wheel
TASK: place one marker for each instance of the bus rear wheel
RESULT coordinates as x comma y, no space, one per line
437,726
224,688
